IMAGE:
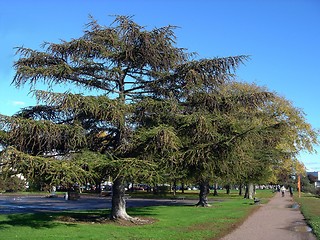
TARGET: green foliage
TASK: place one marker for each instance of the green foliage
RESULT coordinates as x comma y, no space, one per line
151,110
47,171
41,137
96,107
103,165
306,185
11,184
102,57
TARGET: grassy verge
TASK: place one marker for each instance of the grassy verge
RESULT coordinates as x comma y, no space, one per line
172,222
309,205
193,194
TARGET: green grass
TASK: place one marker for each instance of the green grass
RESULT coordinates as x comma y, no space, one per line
309,205
172,222
193,194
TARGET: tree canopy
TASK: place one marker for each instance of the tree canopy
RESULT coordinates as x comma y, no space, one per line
148,109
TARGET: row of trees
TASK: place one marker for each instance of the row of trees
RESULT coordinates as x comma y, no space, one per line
149,110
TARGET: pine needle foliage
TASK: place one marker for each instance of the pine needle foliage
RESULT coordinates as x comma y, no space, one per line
142,108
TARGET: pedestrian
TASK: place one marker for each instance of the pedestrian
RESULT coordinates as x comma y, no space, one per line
291,191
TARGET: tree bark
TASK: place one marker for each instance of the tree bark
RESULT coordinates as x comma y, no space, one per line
118,209
249,191
240,189
246,192
203,195
215,192
182,186
132,189
174,187
228,189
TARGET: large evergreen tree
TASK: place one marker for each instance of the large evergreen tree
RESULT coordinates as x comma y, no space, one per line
116,66
239,132
147,108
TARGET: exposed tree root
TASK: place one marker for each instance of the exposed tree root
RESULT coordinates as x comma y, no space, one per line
134,221
203,205
98,219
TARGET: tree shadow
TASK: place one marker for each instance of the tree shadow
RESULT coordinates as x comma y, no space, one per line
40,220
33,220
142,211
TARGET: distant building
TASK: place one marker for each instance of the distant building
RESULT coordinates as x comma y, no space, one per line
314,177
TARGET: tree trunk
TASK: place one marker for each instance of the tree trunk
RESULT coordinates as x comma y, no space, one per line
246,192
182,187
215,192
174,187
240,189
228,189
132,189
249,191
203,195
118,209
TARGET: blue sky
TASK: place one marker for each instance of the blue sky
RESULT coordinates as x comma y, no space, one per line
282,37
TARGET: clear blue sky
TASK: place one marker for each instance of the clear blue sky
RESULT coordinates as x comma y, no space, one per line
282,37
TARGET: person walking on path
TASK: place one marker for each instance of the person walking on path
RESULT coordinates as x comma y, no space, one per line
276,220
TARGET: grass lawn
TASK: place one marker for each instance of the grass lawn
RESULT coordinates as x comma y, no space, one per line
172,222
309,205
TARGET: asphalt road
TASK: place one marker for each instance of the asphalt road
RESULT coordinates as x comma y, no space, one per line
30,204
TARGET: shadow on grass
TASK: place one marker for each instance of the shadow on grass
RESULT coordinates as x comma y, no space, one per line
50,219
310,196
33,220
143,212
68,219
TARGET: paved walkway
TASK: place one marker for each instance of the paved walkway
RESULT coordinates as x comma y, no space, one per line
277,220
30,204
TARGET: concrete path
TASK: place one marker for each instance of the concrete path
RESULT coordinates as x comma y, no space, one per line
280,219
